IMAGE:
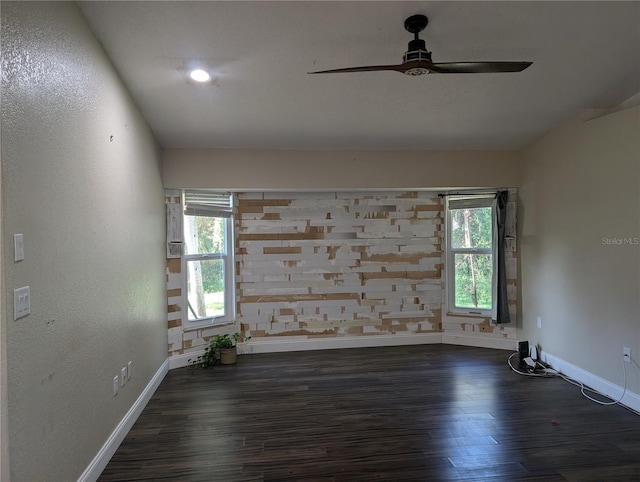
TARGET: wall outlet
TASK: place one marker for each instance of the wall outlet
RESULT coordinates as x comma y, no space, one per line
115,385
539,321
626,354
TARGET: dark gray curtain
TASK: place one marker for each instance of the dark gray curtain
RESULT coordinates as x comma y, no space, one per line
502,315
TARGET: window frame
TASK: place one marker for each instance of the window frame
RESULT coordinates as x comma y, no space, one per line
460,202
227,257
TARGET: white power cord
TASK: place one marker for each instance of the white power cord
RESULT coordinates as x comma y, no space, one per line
529,374
551,373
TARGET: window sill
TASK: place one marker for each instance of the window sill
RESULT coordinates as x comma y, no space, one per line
468,315
206,325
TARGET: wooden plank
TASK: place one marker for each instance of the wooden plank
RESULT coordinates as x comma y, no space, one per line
423,413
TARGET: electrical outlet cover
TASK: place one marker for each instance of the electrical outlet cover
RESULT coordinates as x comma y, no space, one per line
18,247
21,302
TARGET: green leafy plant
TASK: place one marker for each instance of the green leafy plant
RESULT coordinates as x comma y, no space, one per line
207,359
212,351
224,342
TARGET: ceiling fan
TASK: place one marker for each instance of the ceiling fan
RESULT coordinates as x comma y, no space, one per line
417,59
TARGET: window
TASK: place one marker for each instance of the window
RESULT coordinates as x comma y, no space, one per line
471,264
208,257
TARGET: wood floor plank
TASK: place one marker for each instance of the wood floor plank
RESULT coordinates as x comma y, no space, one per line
423,413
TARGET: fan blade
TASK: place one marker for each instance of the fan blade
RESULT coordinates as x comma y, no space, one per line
477,67
368,68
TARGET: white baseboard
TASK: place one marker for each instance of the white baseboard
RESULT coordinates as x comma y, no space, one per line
266,345
630,399
479,341
100,461
285,344
180,361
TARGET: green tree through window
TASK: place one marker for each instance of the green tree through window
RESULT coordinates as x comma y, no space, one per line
208,257
205,253
471,255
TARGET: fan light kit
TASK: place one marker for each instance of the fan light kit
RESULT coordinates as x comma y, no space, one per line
417,59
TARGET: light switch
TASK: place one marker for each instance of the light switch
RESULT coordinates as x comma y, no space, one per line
115,385
21,302
18,247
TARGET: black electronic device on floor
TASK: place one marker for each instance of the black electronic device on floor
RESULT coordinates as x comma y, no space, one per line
523,352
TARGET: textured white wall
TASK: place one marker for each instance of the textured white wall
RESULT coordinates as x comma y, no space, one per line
82,182
294,170
4,425
581,183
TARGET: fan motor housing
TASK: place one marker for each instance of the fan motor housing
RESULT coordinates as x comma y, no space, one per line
417,54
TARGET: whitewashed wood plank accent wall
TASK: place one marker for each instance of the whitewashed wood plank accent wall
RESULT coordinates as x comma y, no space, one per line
322,265
339,264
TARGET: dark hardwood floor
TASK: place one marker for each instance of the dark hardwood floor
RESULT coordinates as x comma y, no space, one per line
421,413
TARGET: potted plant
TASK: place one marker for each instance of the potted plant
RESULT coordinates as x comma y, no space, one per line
226,346
221,347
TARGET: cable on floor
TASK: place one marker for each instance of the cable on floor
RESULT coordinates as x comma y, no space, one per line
548,372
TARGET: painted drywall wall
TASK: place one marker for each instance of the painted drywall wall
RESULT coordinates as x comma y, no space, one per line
292,170
82,183
4,407
579,224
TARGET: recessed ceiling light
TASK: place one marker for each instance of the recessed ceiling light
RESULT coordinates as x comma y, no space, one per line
200,75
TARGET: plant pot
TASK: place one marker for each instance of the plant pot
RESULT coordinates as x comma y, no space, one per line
228,356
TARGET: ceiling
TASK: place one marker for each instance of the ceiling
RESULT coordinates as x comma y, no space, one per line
586,55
